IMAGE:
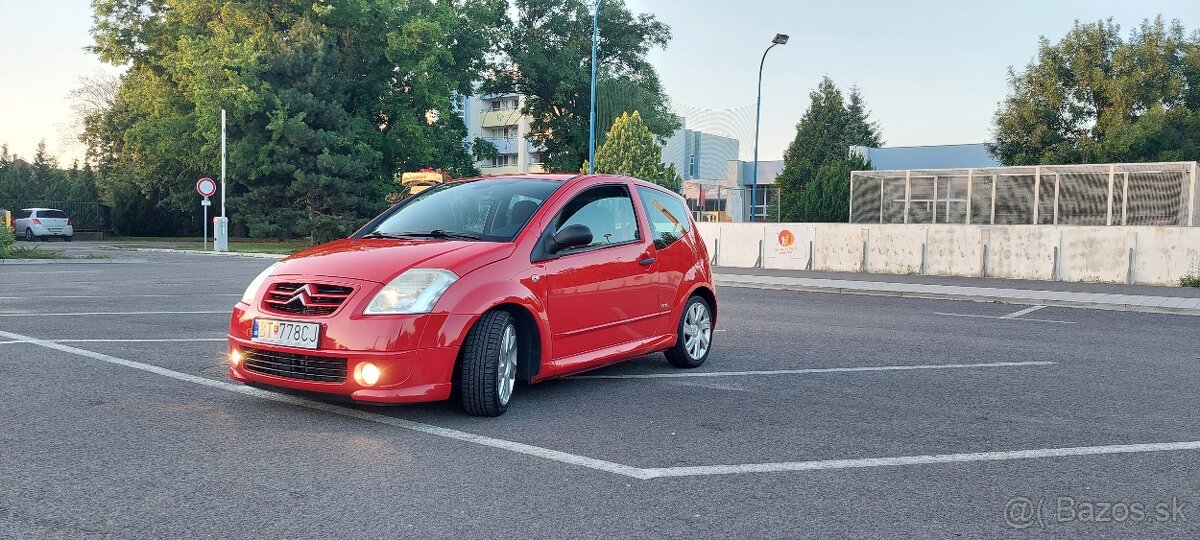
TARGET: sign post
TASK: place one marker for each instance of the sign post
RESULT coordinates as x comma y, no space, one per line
221,224
206,187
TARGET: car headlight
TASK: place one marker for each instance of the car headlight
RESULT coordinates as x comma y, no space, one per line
252,289
414,291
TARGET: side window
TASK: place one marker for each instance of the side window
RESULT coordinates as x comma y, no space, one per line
25,214
667,215
606,210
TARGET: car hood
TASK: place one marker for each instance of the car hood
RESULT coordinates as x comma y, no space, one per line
382,259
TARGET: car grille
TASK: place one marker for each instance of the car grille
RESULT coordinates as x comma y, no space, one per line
305,298
295,366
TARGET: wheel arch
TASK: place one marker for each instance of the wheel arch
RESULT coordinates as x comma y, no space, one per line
709,296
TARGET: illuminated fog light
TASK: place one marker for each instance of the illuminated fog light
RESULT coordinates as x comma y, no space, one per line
367,374
235,358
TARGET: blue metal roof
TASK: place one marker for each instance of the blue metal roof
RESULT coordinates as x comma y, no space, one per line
950,156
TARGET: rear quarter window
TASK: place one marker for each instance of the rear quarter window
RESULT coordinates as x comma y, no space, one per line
668,216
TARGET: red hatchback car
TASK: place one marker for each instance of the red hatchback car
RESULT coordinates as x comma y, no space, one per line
476,284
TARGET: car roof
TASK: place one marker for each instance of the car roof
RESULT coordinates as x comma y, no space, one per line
582,177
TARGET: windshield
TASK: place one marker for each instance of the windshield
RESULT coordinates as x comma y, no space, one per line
493,210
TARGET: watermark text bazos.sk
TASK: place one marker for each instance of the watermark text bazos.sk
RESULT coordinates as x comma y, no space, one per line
1024,512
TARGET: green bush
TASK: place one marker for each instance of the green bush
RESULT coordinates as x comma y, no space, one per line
6,239
1190,280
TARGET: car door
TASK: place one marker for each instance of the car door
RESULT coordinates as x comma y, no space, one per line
677,257
601,294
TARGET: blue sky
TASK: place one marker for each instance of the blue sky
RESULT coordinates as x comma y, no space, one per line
932,72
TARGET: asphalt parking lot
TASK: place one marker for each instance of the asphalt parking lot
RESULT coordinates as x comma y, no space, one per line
817,416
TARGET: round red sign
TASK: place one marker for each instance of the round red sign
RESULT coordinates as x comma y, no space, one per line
206,187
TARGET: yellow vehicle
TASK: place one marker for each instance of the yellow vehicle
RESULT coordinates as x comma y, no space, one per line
413,183
416,182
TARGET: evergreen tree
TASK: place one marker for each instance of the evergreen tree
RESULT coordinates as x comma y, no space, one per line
825,134
630,150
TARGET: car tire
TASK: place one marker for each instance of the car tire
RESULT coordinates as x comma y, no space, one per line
67,238
693,335
29,237
488,365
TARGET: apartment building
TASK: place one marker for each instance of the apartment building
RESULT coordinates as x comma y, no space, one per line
497,119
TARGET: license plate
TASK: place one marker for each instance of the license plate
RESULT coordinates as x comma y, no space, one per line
289,333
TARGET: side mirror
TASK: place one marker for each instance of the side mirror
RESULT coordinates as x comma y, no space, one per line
571,236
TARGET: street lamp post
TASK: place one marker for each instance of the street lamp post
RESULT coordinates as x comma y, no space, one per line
592,122
780,39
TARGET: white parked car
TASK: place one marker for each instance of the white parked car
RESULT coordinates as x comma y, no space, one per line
42,223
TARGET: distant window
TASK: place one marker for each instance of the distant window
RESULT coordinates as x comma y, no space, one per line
668,216
496,104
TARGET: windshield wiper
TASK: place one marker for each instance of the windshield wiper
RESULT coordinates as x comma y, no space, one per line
435,233
381,234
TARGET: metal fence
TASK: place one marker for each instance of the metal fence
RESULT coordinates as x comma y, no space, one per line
723,203
85,216
1108,194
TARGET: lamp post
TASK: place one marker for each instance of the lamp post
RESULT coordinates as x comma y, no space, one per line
780,39
592,122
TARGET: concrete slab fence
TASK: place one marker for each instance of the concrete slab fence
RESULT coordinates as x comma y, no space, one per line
1133,254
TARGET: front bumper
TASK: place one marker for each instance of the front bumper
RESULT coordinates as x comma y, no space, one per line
414,353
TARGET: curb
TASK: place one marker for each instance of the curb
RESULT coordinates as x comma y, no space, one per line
209,253
962,297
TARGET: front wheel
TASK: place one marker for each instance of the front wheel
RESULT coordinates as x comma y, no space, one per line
488,371
29,237
67,238
694,335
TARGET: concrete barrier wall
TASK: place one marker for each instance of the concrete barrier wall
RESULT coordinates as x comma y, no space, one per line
1154,255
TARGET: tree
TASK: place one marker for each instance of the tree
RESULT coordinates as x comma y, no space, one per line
326,101
826,199
549,50
1094,97
825,134
629,149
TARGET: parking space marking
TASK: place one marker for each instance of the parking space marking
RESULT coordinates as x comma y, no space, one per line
681,374
224,312
482,440
1025,311
57,272
86,296
834,464
609,466
162,340
1001,317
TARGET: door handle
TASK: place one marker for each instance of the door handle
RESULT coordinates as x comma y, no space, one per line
647,261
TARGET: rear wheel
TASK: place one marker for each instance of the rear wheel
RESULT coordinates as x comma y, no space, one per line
488,370
29,237
694,335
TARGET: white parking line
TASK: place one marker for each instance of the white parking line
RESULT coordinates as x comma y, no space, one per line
680,374
223,311
162,340
832,464
511,446
58,272
85,296
1025,311
609,466
1001,318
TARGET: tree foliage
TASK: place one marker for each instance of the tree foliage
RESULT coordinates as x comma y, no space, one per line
824,135
326,101
1095,97
549,51
630,150
826,199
